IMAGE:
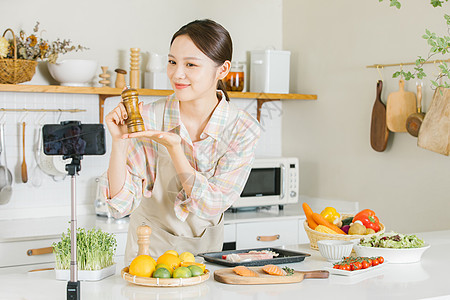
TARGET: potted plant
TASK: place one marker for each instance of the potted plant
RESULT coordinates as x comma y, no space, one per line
19,56
438,45
95,255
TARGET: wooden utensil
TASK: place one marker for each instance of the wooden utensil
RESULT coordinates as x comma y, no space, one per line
414,121
400,105
24,164
379,132
434,133
230,277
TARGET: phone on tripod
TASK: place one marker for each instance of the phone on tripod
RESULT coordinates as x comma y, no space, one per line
73,138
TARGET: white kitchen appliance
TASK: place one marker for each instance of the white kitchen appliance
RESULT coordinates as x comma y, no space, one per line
272,181
269,71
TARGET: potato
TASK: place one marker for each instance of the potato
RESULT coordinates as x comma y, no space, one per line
357,229
369,231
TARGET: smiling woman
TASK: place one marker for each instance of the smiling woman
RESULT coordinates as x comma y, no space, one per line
192,161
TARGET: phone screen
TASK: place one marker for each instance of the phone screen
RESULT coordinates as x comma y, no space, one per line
73,138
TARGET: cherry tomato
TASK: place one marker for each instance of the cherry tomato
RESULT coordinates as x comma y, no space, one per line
357,265
380,259
375,262
336,266
369,261
365,264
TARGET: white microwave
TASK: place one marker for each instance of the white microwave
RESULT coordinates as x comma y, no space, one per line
272,181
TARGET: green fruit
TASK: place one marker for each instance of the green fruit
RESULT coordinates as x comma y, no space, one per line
182,272
161,273
195,270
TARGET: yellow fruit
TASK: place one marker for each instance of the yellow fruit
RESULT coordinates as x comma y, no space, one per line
164,266
170,260
187,256
173,252
143,266
189,263
182,272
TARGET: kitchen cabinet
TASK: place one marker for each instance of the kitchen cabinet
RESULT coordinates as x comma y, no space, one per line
266,234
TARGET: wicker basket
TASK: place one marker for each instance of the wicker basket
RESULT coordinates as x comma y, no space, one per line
315,236
13,70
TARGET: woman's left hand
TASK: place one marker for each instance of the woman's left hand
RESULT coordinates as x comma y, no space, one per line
167,139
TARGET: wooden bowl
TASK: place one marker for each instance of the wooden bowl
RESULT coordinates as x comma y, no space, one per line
164,282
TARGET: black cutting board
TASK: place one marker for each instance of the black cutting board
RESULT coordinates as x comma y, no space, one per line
284,257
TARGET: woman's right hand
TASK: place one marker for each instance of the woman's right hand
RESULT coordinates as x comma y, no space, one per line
115,120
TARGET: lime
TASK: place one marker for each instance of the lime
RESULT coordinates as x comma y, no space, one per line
195,270
164,266
182,272
161,273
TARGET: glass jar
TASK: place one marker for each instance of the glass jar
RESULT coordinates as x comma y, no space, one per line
234,81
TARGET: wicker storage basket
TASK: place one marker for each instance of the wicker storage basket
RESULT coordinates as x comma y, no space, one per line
13,70
315,236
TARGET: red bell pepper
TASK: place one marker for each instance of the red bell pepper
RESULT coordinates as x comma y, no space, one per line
368,218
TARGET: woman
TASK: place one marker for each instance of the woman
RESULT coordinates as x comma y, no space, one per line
193,160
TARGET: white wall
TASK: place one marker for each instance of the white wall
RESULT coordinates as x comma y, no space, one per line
109,29
332,42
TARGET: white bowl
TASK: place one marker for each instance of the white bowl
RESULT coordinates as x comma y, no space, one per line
73,72
335,250
394,256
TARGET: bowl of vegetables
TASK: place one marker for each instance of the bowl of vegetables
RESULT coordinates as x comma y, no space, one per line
395,247
330,225
95,255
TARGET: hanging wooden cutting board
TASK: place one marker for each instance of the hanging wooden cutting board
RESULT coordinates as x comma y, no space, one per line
379,132
230,277
400,105
434,133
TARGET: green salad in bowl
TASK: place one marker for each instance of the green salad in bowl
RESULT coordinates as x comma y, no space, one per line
393,240
394,247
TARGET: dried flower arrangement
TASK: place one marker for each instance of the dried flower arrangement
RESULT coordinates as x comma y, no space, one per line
32,47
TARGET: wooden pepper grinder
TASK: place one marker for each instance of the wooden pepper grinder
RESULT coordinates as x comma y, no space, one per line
134,68
143,239
104,76
131,102
120,78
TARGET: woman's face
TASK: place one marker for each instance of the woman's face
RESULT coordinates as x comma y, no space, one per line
192,74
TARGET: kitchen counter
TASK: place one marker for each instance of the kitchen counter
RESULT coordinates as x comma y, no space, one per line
427,279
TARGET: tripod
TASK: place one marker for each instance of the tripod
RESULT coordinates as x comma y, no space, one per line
73,285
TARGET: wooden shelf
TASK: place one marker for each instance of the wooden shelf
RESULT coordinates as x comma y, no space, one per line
106,92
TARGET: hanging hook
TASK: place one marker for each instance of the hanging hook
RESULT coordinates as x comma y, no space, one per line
1,119
22,119
379,73
59,116
39,120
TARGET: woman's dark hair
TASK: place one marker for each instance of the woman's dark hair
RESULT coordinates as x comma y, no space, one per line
212,39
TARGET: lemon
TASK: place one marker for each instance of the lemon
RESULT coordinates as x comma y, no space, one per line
173,252
195,270
187,256
161,273
170,260
164,266
182,272
143,266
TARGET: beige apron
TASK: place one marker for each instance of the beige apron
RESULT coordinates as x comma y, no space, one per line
195,234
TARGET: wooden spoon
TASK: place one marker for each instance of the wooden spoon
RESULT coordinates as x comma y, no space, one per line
415,120
24,164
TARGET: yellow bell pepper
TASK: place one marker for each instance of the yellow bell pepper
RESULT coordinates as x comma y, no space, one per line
330,214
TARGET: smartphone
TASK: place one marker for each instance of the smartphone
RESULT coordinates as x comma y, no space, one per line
74,138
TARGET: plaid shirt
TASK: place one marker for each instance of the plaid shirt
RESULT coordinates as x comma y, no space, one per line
217,184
